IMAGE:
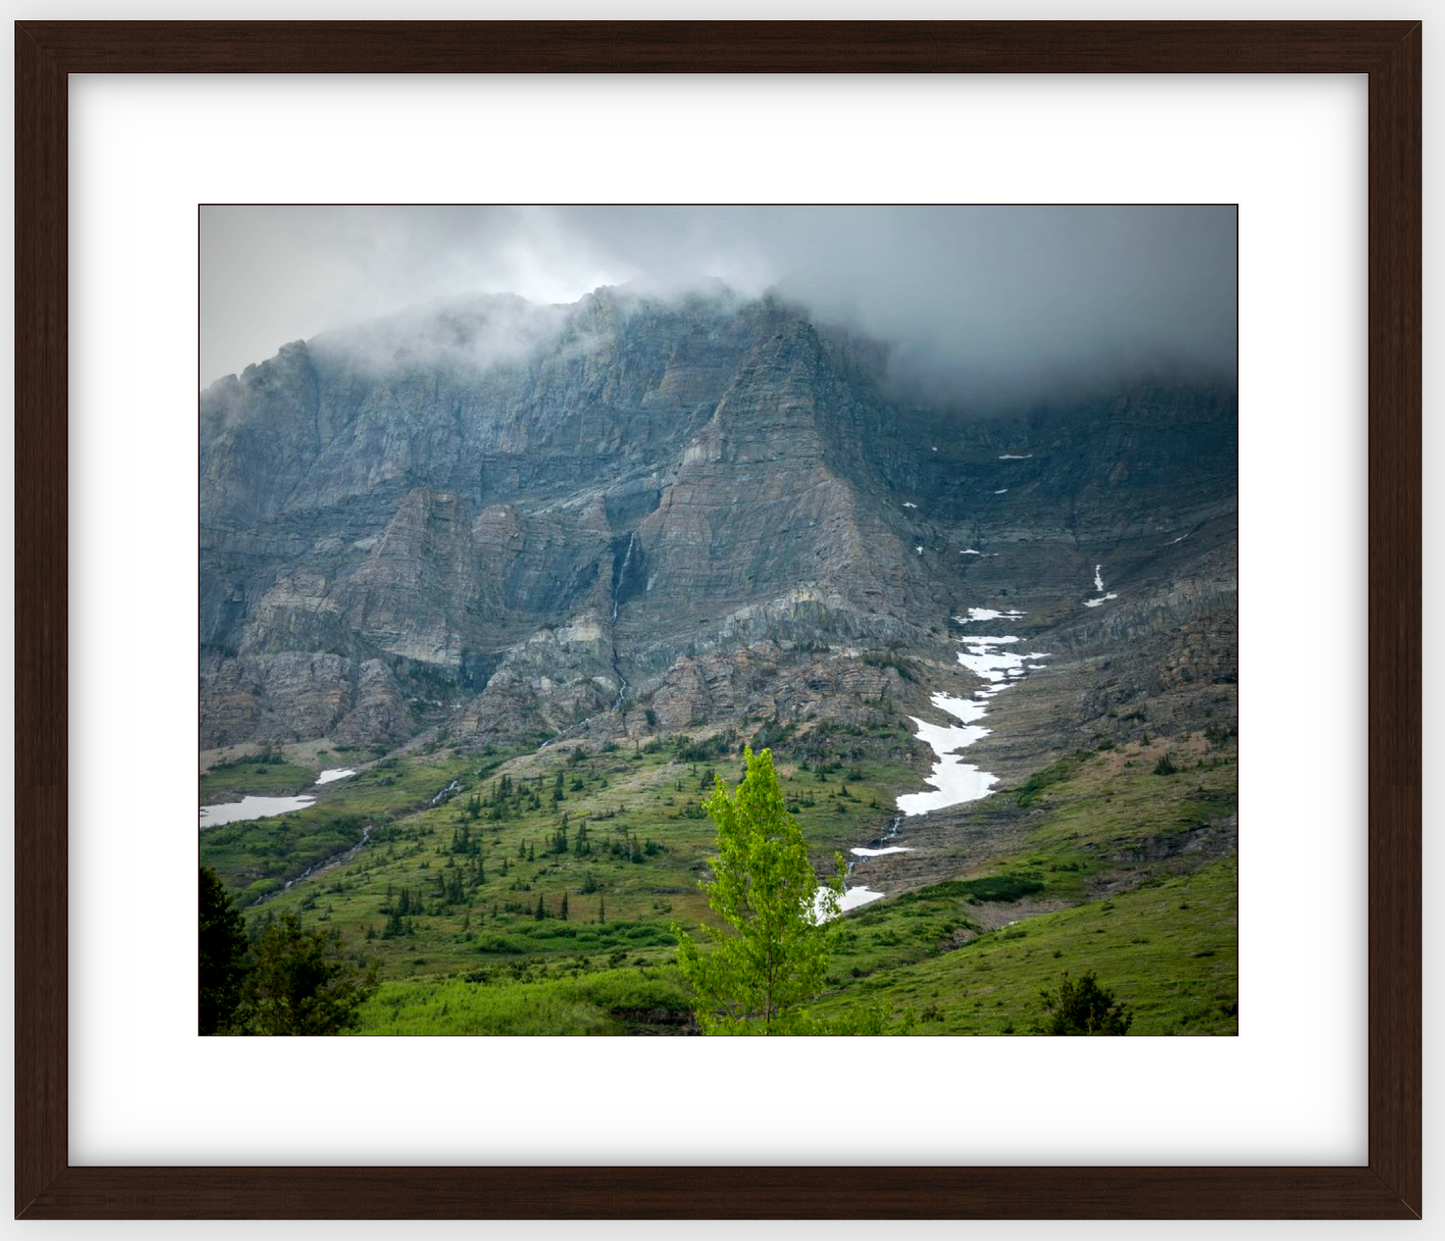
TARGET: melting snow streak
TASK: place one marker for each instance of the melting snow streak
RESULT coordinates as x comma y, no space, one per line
1099,586
986,614
954,781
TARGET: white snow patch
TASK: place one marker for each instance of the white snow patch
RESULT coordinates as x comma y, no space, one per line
335,773
1000,491
946,738
1180,539
919,550
993,665
986,614
1099,586
252,808
851,899
1010,456
953,780
970,551
960,708
879,852
909,504
933,449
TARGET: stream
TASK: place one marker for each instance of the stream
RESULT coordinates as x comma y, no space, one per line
616,665
335,860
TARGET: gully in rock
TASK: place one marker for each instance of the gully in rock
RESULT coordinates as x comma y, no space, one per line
954,781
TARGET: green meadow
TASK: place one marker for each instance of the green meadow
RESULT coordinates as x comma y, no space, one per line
534,892
1167,949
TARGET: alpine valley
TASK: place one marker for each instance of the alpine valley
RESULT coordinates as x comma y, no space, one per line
490,590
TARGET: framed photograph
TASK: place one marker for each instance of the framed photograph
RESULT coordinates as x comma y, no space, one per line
795,609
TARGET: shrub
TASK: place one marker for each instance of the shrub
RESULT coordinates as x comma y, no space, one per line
1083,1007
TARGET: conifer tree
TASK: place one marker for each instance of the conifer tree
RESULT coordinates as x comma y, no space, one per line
223,947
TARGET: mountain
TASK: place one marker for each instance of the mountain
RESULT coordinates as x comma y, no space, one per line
492,592
492,521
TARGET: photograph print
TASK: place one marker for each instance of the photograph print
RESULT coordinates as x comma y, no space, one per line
708,620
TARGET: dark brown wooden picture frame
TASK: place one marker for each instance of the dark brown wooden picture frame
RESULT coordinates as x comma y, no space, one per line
46,1186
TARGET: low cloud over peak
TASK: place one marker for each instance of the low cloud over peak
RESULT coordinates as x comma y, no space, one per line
980,306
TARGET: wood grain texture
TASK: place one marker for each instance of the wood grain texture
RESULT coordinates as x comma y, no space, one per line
729,1193
1395,630
719,47
45,52
41,601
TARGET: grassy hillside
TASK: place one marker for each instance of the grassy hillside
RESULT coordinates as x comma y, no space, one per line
263,775
573,1001
1127,868
1168,949
1119,862
481,878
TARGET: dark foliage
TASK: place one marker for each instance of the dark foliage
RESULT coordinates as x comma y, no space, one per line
222,955
303,983
1083,1007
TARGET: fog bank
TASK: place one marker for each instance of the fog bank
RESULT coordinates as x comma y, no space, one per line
980,306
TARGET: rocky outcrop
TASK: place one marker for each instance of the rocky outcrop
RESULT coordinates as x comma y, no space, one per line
630,514
291,694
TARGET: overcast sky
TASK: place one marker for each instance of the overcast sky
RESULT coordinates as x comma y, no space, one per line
1011,301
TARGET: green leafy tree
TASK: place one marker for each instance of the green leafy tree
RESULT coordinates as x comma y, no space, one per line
223,947
303,983
1083,1007
774,953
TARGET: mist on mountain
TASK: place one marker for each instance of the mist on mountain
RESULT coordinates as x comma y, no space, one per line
978,308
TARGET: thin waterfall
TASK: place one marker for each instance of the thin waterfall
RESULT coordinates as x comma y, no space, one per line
616,603
622,575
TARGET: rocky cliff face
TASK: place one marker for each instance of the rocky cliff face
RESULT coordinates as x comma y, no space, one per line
626,515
